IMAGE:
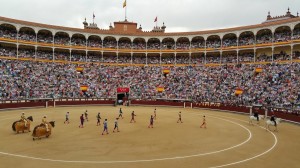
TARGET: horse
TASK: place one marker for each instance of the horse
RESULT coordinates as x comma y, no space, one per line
261,117
20,125
269,122
40,130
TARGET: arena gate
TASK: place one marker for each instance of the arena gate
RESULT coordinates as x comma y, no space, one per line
122,96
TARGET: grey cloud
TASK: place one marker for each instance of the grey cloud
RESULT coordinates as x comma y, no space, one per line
179,15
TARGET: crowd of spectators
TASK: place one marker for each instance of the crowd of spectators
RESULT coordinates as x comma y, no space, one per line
109,59
199,44
41,38
267,38
94,43
64,56
263,58
139,60
282,37
110,44
296,55
213,44
124,45
78,41
124,59
282,56
246,40
93,57
182,45
277,85
61,40
229,43
182,59
168,60
8,51
152,45
246,57
153,59
139,46
243,57
78,57
27,36
198,60
27,53
228,58
46,55
296,34
213,59
8,33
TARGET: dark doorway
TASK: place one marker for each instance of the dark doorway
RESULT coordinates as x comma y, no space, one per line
120,98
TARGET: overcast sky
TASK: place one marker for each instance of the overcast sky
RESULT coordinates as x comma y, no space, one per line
178,15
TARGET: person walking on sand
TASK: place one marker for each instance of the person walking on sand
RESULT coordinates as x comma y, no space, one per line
203,122
179,117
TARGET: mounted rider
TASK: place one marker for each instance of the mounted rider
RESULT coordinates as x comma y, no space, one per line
273,118
44,122
256,115
23,118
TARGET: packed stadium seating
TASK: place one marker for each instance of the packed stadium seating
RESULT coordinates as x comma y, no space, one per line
278,85
40,61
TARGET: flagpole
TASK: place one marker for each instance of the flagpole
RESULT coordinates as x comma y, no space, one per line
126,12
125,6
93,17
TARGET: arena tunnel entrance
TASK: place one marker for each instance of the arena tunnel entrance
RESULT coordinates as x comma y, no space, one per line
122,96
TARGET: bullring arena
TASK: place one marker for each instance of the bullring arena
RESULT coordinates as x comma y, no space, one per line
225,75
228,140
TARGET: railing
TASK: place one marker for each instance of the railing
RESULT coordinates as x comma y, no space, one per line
284,113
29,103
290,115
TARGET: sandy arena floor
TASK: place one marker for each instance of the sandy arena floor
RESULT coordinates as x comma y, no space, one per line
229,140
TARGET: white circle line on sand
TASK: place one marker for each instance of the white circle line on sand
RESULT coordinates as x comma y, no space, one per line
256,156
143,160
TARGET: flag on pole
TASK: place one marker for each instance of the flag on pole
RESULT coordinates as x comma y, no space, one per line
124,4
93,15
155,20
